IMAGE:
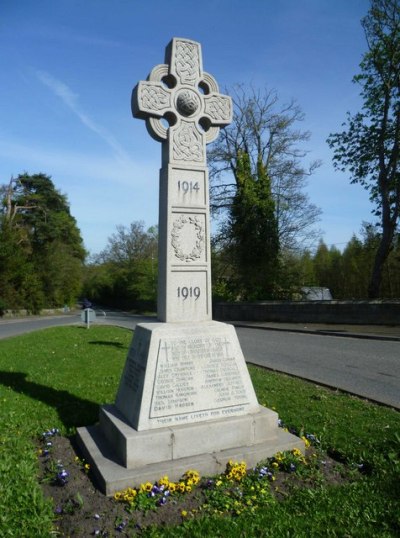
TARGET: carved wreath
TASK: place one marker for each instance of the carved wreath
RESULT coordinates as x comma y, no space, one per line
176,238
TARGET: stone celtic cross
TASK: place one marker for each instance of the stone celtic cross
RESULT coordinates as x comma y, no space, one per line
184,110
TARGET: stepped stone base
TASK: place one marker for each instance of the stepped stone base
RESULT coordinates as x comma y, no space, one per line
122,457
185,401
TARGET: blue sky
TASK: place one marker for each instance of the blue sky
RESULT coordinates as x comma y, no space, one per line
68,67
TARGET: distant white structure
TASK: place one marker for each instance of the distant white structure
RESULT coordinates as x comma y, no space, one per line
315,293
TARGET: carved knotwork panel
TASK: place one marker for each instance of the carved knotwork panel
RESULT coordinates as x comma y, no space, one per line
187,62
154,98
187,143
218,108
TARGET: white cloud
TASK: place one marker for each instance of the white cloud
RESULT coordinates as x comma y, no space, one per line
70,99
35,158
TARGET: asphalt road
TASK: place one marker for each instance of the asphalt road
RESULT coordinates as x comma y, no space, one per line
366,367
14,327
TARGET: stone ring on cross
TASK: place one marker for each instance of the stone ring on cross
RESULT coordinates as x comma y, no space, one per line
181,102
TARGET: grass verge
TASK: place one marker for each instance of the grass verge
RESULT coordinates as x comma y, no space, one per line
58,377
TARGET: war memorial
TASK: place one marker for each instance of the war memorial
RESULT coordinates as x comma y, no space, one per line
185,398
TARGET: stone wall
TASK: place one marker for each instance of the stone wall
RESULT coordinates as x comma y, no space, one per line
352,312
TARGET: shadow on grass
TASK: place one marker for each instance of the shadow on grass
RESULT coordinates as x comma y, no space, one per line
104,343
72,410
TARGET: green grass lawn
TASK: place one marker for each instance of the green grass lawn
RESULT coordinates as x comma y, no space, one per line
58,378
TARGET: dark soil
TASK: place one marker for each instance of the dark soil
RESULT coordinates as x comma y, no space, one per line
81,510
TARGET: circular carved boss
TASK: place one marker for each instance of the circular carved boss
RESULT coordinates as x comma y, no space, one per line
187,102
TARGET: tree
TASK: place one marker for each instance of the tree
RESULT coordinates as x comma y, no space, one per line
369,146
253,232
42,238
124,274
266,132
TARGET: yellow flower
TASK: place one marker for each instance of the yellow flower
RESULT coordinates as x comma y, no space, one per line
164,481
184,513
146,487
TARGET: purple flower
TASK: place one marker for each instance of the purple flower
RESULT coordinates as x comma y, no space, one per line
62,477
121,526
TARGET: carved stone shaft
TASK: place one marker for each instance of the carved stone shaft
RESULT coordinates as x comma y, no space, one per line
184,110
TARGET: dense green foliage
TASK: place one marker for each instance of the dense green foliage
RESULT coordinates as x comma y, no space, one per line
44,383
41,250
124,274
369,148
252,237
347,273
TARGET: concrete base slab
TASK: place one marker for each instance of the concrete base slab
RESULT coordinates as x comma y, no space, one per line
137,448
111,476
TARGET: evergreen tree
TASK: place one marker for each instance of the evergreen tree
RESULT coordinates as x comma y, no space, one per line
42,256
253,232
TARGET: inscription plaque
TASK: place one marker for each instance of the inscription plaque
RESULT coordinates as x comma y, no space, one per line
198,374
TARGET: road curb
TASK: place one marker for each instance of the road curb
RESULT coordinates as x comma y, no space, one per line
320,332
